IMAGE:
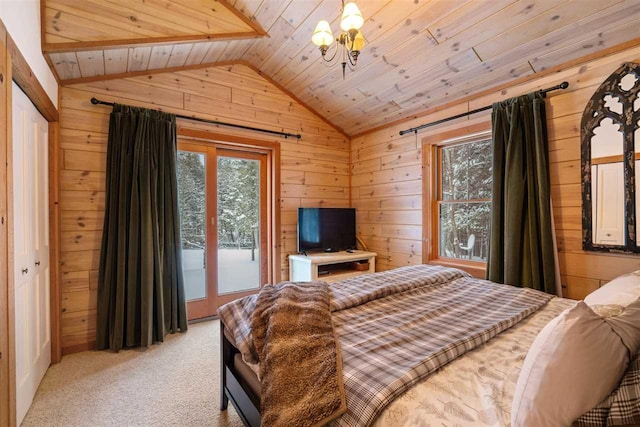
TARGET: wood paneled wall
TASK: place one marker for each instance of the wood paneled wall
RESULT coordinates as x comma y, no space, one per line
387,179
314,170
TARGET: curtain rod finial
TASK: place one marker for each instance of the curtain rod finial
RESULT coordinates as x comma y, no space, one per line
564,85
94,101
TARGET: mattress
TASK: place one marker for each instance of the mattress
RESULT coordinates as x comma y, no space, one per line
474,390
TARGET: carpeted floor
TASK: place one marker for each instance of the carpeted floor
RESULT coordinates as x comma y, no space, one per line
175,383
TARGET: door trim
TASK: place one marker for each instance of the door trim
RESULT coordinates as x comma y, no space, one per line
13,66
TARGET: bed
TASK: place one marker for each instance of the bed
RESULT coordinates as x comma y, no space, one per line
472,386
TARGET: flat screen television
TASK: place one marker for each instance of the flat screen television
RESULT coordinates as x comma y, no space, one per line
326,229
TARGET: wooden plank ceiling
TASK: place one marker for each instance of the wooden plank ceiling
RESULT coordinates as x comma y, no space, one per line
76,24
420,53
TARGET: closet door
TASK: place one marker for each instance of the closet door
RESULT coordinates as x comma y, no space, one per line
30,249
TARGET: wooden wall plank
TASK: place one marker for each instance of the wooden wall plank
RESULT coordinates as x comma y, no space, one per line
75,281
80,260
83,161
578,287
81,220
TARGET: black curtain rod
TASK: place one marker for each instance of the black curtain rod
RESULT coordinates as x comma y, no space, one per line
95,101
562,85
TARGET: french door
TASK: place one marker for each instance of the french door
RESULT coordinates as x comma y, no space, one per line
222,196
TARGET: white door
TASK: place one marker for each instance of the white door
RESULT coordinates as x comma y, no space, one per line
31,249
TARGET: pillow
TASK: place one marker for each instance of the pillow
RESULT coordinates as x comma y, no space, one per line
574,364
627,326
622,407
622,291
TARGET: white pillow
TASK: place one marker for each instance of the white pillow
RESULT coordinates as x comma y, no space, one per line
622,290
574,363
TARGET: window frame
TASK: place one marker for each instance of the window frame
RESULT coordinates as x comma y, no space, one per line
432,193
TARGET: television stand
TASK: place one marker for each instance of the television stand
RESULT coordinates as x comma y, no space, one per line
330,267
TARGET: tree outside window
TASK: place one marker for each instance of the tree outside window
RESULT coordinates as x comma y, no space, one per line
464,200
238,203
192,204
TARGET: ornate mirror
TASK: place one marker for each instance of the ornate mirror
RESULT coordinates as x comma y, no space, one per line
611,163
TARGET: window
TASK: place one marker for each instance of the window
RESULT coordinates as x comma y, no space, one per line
464,200
457,197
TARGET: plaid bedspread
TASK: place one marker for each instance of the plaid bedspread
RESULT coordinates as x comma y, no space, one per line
398,326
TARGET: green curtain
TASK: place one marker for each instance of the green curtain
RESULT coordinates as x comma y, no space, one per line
140,285
521,249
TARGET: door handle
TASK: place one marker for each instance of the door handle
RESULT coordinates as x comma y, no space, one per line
25,270
37,263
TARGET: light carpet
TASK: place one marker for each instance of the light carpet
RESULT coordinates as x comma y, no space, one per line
175,383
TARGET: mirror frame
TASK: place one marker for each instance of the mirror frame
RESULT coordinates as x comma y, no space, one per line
593,114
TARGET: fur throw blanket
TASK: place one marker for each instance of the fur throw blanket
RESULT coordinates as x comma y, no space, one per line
300,361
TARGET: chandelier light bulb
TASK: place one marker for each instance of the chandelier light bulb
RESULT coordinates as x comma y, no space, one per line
359,42
352,18
322,36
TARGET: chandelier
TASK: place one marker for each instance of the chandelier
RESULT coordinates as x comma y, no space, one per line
350,41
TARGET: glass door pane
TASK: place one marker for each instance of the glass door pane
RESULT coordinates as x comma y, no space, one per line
192,203
238,224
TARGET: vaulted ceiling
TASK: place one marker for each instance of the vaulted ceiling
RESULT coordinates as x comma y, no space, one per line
420,53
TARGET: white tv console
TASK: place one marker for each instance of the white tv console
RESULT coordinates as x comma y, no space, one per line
329,266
